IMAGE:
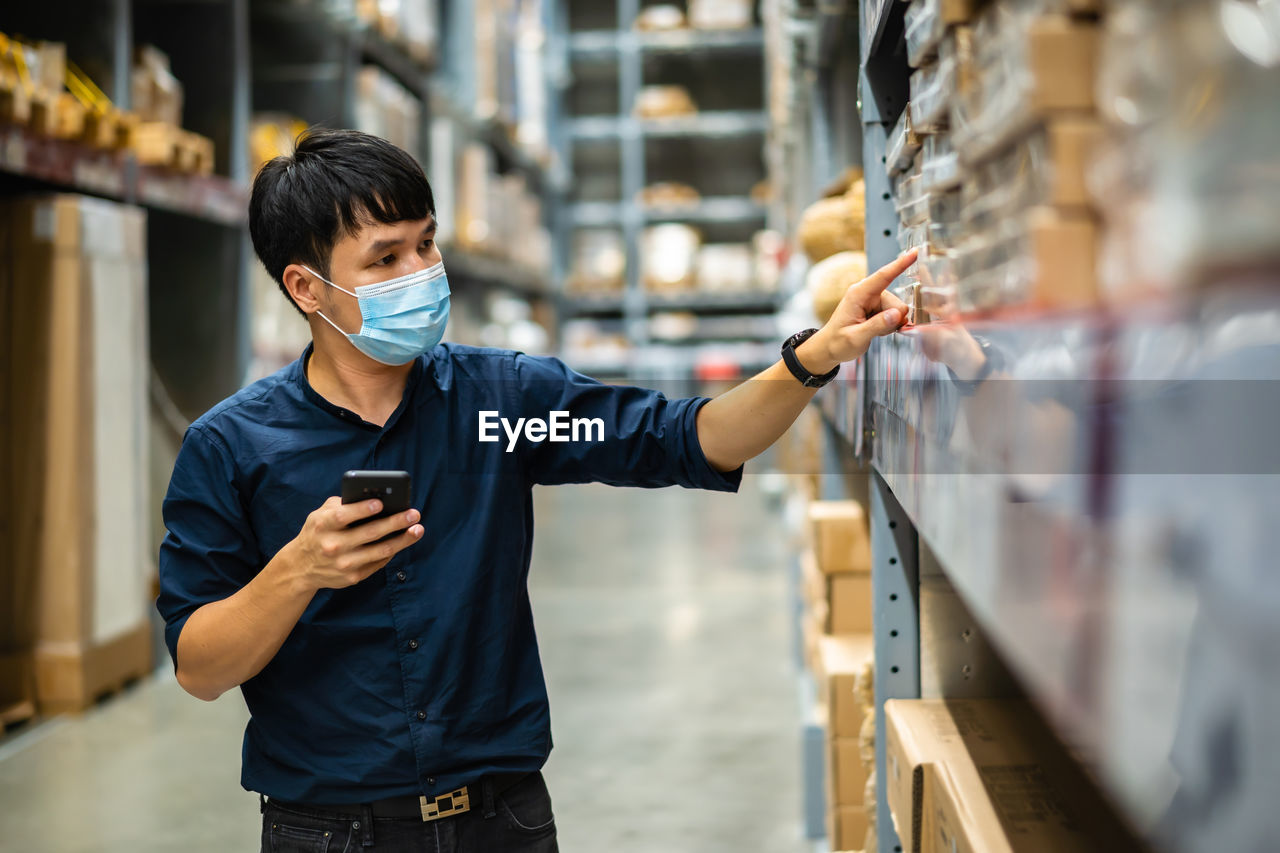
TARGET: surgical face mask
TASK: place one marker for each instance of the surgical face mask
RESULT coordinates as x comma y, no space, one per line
402,318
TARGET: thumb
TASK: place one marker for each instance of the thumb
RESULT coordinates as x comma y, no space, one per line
877,326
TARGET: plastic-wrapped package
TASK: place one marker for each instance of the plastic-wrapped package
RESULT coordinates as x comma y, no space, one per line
910,199
926,22
1044,259
923,27
599,261
940,164
720,14
829,279
902,145
669,194
958,49
832,225
668,253
1189,179
660,18
945,220
770,252
1045,168
931,92
656,102
1028,67
725,267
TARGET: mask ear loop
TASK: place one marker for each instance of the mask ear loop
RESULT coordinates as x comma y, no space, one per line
331,284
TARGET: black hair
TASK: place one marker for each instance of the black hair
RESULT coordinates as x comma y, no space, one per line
334,183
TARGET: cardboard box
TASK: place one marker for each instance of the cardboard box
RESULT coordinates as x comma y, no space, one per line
841,541
78,447
1055,74
917,733
841,661
847,827
1065,252
984,776
846,774
849,604
841,602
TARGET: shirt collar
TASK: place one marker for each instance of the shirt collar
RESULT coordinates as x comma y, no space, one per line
298,374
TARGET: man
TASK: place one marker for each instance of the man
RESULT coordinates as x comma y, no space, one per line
394,685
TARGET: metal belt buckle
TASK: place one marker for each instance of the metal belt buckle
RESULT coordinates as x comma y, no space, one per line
445,805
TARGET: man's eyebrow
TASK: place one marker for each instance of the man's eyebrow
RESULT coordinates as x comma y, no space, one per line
383,245
379,246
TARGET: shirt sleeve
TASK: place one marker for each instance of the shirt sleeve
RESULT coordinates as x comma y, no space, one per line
616,434
209,551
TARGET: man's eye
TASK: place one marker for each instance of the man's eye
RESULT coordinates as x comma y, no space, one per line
385,261
426,244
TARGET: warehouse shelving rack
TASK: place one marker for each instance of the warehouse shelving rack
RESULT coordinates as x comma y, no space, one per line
1079,538
300,58
622,51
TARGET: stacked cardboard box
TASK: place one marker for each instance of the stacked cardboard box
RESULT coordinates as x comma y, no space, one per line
844,667
77,560
157,99
495,214
385,108
836,573
988,159
983,776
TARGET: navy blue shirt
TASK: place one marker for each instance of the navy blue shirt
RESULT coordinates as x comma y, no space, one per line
425,676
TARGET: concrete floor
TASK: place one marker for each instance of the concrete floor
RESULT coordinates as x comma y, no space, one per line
662,618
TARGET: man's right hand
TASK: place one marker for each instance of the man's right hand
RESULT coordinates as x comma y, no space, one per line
329,554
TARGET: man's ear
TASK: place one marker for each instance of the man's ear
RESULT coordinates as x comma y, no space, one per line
302,287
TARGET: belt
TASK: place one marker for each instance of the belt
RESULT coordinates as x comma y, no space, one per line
408,806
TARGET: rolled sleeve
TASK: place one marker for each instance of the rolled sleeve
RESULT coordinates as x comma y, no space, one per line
209,551
648,440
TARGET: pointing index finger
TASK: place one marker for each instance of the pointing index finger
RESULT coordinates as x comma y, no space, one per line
875,284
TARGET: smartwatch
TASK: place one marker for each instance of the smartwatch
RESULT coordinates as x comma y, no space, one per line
806,378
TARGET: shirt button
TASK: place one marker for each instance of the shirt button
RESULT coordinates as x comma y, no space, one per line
431,780
413,644
422,715
402,577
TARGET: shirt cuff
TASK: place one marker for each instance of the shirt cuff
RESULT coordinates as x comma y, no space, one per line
702,473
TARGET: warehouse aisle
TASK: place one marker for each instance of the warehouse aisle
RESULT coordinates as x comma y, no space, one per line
662,618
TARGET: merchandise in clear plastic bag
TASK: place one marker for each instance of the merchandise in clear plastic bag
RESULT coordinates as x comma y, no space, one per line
910,199
1015,82
937,283
1043,257
1045,168
924,28
1192,95
931,91
940,163
946,225
902,145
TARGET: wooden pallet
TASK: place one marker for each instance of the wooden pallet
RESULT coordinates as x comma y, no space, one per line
73,679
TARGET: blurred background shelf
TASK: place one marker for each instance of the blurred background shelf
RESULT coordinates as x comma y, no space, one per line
707,211
707,124
115,174
604,45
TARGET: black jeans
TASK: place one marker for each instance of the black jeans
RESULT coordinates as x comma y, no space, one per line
524,823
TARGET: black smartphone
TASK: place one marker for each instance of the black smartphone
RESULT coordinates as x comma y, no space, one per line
390,487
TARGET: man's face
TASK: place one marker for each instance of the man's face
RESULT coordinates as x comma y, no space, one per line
374,254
